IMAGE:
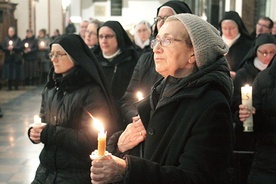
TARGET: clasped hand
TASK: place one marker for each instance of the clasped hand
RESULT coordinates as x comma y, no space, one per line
35,133
134,134
244,112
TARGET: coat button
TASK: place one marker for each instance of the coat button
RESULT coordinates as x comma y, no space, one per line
151,131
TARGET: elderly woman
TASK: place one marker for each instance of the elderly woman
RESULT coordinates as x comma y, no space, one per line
142,33
76,89
185,131
236,36
145,75
91,38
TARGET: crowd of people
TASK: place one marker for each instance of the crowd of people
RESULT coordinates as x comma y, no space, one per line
187,128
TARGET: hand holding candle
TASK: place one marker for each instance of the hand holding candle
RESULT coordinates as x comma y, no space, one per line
246,93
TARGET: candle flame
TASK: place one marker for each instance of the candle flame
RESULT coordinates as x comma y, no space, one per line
10,42
37,119
139,95
97,123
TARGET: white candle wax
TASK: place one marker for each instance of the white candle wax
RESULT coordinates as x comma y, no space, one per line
246,93
37,120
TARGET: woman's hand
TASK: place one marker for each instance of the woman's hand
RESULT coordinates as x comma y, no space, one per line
134,134
244,112
107,169
35,133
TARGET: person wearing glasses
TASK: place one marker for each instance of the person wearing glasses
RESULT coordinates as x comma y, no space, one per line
142,34
145,75
188,132
263,169
236,36
263,26
91,38
117,56
75,92
255,61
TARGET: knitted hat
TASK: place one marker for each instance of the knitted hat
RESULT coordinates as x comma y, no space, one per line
207,43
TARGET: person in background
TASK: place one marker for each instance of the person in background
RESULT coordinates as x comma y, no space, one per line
273,31
236,36
13,64
70,28
55,34
264,25
117,56
180,144
256,60
263,169
75,91
83,27
145,75
91,38
30,48
142,33
44,63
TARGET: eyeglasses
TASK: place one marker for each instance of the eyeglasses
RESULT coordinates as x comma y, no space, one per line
108,37
164,42
262,25
266,54
157,19
58,56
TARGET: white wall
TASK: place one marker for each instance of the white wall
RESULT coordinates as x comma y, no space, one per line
22,17
133,12
55,17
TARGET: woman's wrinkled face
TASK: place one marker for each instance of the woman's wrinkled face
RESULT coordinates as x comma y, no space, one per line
108,41
266,52
172,55
143,32
91,38
229,29
61,61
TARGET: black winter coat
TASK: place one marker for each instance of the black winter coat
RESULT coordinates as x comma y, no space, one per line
119,71
69,137
263,169
189,130
237,52
143,78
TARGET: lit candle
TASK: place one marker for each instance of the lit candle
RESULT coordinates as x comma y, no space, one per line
26,45
37,120
246,94
101,137
42,44
10,42
139,95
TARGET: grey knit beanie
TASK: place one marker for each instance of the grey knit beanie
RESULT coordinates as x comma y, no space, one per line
207,42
